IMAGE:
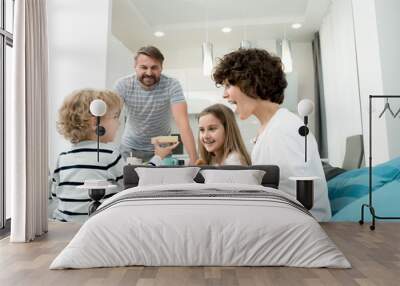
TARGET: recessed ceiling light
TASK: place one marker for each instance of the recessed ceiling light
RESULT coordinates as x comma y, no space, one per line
296,26
226,29
159,34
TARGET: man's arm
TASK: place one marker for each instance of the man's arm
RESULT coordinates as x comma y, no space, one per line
120,88
181,117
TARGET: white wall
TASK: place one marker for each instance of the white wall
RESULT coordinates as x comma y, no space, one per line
119,64
388,23
119,61
78,37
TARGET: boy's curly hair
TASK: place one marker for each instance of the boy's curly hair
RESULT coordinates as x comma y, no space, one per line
74,115
256,72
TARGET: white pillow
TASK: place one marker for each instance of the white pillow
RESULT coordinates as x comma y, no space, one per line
248,177
166,176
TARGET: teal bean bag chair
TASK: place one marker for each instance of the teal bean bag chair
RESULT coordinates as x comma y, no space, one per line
349,190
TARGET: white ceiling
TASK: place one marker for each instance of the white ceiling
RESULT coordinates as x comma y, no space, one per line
188,12
187,22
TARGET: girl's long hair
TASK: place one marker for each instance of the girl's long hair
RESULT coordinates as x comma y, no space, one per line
233,139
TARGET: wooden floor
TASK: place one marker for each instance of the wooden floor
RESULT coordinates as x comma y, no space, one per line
374,255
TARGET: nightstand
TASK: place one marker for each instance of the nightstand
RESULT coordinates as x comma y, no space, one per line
305,190
96,190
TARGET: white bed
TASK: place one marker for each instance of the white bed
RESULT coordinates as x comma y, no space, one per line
224,225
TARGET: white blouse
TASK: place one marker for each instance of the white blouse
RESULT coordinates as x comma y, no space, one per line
280,144
232,159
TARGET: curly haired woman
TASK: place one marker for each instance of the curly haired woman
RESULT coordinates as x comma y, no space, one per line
254,81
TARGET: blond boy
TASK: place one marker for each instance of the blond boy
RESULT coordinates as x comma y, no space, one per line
79,163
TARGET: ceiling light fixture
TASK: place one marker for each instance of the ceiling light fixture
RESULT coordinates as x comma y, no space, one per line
159,34
245,43
286,55
226,29
296,26
207,49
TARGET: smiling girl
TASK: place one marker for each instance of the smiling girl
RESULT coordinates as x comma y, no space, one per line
220,142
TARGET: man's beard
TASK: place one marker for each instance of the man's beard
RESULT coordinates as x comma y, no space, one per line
149,80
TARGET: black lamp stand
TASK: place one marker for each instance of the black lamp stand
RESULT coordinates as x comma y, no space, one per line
305,186
305,193
96,195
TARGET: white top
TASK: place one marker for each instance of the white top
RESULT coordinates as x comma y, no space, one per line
232,159
280,144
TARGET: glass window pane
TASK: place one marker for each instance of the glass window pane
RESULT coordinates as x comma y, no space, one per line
8,69
10,15
1,14
2,109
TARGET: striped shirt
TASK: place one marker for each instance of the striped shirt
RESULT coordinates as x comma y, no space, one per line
148,111
80,164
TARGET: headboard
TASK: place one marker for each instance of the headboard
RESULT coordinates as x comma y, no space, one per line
270,179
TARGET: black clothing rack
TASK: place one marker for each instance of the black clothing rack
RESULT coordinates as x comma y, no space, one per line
369,205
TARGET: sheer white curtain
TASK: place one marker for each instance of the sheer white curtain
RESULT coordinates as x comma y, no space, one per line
339,70
28,124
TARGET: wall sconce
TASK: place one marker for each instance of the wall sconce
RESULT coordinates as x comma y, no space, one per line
305,108
98,108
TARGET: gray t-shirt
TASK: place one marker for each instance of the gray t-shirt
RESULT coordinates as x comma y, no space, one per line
148,111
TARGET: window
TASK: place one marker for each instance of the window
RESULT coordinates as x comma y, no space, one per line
6,44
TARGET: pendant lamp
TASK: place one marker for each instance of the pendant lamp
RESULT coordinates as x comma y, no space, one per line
286,57
207,49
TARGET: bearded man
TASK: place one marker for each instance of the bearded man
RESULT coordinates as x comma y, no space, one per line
150,98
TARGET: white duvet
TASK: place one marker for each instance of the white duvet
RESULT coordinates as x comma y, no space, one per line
207,230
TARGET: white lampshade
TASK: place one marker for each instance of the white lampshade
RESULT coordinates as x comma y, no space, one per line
305,107
207,49
286,57
98,107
